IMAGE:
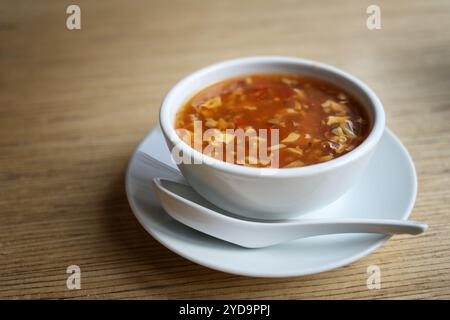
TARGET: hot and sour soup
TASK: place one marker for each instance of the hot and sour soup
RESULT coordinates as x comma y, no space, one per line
315,121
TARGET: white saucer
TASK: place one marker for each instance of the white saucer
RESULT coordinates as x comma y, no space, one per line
387,190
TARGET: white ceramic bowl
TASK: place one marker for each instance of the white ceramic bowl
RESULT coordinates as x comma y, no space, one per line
270,193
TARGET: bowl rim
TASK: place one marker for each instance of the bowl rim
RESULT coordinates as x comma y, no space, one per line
366,146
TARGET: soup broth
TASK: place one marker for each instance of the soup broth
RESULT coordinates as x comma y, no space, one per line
316,120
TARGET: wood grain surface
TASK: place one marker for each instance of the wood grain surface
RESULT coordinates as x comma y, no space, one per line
74,105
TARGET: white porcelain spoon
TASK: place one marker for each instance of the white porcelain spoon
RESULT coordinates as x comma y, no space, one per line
185,205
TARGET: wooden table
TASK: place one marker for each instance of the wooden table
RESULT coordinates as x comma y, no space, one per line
74,105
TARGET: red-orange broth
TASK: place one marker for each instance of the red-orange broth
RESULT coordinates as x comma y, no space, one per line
317,121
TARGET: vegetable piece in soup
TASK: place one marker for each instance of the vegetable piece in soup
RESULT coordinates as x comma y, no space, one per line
315,120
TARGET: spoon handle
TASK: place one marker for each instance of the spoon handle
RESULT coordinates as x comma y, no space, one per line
385,226
282,232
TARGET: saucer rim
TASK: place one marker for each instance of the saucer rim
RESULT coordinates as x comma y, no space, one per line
305,272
